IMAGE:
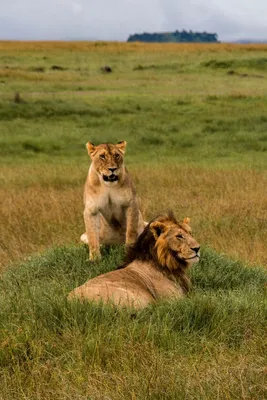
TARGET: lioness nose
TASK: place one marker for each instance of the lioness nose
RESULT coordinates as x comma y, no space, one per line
196,249
112,169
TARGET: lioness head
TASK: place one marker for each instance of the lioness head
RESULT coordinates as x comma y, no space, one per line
174,243
107,159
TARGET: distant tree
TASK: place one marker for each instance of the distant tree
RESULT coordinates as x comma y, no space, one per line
174,37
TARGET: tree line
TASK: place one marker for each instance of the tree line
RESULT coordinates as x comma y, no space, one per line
173,37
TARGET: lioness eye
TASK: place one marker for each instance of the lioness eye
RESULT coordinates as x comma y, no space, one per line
102,156
180,236
117,156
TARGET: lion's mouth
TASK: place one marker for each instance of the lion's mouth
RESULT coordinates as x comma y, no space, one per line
179,257
110,178
186,261
191,258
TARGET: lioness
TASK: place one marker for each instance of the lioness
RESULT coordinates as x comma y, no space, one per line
154,267
111,211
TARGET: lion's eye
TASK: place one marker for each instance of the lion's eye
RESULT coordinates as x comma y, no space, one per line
102,156
179,236
117,156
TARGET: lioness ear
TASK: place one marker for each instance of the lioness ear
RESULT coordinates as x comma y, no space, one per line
121,146
157,228
90,148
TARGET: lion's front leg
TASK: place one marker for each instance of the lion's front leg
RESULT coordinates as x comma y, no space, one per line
132,217
92,225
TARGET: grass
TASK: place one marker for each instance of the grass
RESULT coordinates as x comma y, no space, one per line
211,344
194,117
51,127
254,63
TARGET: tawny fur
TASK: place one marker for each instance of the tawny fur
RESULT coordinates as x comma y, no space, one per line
154,268
111,209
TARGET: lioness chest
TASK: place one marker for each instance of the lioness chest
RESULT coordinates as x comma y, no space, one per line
112,203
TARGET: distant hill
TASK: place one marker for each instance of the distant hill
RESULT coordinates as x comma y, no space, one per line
250,41
175,37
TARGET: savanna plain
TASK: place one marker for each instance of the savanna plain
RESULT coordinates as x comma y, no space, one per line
195,120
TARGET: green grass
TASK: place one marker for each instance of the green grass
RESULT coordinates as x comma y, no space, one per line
253,63
212,343
42,128
177,103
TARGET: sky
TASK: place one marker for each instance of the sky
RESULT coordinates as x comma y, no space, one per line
117,19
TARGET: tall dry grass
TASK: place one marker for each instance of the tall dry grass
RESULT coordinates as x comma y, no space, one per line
227,207
111,47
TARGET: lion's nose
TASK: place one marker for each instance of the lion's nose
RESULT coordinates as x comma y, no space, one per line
112,170
196,249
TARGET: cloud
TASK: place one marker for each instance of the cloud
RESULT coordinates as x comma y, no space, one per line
116,19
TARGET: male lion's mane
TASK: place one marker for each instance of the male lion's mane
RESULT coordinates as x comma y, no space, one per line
145,250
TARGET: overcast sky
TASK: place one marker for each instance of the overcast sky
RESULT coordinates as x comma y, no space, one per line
116,19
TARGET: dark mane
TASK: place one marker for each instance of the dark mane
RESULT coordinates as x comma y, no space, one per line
143,248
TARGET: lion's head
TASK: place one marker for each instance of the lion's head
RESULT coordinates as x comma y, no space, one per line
168,243
107,160
174,243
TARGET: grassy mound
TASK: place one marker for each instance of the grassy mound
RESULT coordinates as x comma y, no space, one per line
209,345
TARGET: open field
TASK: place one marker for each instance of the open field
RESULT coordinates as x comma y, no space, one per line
195,120
194,117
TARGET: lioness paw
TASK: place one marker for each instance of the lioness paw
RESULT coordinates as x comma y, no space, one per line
94,255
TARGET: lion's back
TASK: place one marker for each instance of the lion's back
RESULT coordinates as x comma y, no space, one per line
117,287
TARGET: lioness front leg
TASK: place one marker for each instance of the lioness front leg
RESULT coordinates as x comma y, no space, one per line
132,217
92,225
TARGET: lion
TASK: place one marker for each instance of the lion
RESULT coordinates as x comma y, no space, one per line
154,268
111,208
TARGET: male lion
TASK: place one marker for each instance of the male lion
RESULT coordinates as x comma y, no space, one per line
154,267
111,211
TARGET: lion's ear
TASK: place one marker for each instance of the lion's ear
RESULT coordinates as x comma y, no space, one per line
90,148
121,146
186,220
157,228
185,225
